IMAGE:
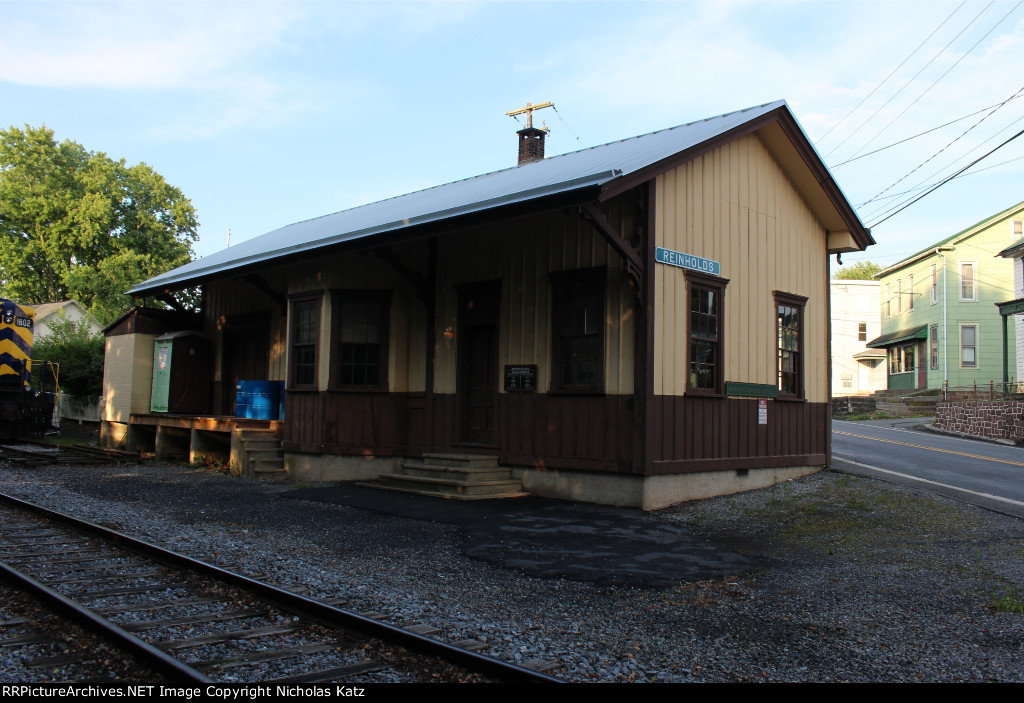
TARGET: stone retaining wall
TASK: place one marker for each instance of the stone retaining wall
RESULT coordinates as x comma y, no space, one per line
992,419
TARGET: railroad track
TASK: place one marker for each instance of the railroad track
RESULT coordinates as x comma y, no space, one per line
193,622
30,453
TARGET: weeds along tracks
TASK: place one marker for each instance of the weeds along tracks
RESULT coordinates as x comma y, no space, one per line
195,622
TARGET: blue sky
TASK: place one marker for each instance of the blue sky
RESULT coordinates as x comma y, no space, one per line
269,113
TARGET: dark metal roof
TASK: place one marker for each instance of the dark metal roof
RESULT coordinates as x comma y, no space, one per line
888,340
576,171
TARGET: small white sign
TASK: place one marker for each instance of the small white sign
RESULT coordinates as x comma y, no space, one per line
762,412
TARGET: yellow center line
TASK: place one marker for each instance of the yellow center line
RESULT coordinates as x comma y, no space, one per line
933,449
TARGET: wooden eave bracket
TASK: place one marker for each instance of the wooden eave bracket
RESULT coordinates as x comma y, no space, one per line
634,262
419,282
257,281
166,297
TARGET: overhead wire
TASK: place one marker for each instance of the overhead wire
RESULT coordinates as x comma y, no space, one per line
884,80
915,136
944,181
949,144
924,183
944,74
911,80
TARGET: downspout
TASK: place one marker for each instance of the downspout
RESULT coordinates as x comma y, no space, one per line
945,349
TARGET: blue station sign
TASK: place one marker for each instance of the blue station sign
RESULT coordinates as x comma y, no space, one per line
686,261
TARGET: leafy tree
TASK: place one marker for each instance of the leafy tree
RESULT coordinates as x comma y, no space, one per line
860,271
79,353
77,225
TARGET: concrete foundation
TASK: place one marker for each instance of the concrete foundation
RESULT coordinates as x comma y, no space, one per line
113,435
316,467
651,492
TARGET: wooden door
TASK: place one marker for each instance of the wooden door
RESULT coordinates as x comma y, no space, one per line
477,383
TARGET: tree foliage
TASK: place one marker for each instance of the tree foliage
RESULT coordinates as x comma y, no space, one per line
79,353
77,225
860,271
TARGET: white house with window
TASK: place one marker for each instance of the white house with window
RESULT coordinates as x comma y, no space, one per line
856,319
940,324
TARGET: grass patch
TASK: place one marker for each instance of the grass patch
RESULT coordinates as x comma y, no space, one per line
60,441
1009,602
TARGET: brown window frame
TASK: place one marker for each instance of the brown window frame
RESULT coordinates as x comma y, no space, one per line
800,303
696,282
339,298
593,282
294,301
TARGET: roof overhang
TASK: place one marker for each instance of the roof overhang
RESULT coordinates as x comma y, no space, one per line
589,175
893,338
786,141
528,202
1011,307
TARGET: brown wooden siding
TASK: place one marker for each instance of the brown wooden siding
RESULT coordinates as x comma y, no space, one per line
588,433
702,434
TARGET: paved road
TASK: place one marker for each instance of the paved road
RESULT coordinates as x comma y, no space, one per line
977,472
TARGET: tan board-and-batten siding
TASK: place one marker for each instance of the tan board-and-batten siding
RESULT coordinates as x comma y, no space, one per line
736,206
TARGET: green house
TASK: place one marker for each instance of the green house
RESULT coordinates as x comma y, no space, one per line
940,323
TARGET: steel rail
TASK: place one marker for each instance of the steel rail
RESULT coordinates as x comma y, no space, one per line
302,606
146,653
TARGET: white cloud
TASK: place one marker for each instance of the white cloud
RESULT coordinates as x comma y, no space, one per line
133,45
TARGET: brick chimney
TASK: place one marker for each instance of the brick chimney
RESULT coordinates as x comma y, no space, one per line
531,145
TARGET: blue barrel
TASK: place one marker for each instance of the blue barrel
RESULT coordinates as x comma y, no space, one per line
264,397
280,406
242,398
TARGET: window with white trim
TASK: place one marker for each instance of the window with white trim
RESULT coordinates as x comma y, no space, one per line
910,292
933,336
935,284
969,346
901,359
899,295
968,286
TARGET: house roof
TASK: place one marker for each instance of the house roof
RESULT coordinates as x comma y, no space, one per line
955,238
45,310
887,340
597,172
1012,250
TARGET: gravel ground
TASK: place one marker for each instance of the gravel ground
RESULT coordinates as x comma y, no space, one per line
856,580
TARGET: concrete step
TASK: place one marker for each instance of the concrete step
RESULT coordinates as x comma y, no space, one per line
449,486
456,473
255,445
438,493
461,460
269,468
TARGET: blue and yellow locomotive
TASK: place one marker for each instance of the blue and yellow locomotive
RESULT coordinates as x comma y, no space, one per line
26,409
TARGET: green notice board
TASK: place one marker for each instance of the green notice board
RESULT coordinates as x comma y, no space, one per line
161,375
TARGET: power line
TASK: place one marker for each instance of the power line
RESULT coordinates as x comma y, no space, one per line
925,184
884,80
919,134
566,125
949,144
947,180
904,86
945,73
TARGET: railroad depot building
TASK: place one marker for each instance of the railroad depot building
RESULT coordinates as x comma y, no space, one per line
638,323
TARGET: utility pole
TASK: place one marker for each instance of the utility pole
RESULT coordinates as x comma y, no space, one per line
529,112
